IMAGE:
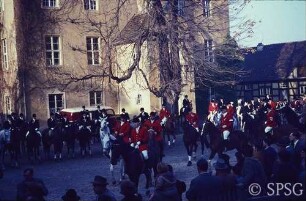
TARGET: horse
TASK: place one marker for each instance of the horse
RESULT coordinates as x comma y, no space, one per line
169,129
7,144
154,152
134,162
292,118
237,139
190,138
47,142
84,139
105,136
33,138
57,141
69,134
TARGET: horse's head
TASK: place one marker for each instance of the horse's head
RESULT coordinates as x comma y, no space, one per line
207,126
116,149
103,123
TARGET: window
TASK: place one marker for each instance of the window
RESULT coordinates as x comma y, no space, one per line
138,99
50,3
208,48
283,85
93,50
1,5
52,50
4,55
90,4
263,91
8,108
55,101
95,98
206,8
303,88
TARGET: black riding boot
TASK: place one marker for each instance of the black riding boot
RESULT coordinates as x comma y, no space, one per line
225,145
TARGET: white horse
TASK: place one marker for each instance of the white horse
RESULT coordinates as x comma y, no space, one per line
105,136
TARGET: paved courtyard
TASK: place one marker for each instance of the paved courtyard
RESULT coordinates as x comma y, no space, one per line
78,173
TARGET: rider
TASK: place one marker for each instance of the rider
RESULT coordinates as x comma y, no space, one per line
140,138
164,114
226,125
125,113
186,104
51,122
123,129
143,115
271,120
34,124
212,109
193,119
153,124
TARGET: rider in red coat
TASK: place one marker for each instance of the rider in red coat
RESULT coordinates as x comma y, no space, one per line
212,109
154,124
123,129
193,119
271,119
164,114
226,125
140,138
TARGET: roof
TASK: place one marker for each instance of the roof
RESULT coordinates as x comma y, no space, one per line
90,108
275,62
133,29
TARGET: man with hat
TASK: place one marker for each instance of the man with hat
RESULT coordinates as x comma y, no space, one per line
226,124
140,138
212,109
123,112
34,124
193,119
143,115
71,195
222,171
153,125
51,122
100,189
122,130
129,190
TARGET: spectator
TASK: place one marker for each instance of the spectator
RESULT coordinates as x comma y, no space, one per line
228,181
204,186
129,190
71,195
239,165
269,157
180,185
165,186
31,188
99,187
252,170
296,144
284,170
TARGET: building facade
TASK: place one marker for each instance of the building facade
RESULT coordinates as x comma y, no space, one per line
63,53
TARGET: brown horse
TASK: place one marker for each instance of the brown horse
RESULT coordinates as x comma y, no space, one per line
169,129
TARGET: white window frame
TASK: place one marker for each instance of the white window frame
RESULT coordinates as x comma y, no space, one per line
1,5
91,4
8,104
208,50
4,54
56,96
302,88
95,98
49,3
139,99
92,51
51,61
206,8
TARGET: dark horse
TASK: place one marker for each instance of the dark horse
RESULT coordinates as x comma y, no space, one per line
169,129
292,118
190,137
237,139
33,138
133,161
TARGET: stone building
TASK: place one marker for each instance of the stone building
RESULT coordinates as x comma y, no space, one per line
62,53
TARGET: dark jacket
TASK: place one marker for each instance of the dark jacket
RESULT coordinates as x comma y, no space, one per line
132,198
284,172
165,188
204,187
106,196
33,189
269,158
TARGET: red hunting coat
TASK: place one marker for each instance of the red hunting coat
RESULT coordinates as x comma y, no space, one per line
164,113
155,125
123,130
271,119
226,122
141,136
193,119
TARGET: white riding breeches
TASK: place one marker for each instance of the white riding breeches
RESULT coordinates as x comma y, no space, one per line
268,129
145,154
226,133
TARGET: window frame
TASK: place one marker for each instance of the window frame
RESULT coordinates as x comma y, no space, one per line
52,51
209,50
56,4
95,98
56,102
92,51
88,2
206,8
4,59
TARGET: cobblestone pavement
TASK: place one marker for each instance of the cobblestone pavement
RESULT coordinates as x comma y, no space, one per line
78,173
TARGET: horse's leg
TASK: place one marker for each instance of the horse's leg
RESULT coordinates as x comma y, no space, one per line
122,169
147,173
212,154
189,152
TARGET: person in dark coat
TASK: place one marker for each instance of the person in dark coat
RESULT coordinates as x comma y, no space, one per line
71,195
237,168
269,157
204,186
284,171
297,145
252,170
143,116
31,188
180,185
100,189
129,190
165,185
